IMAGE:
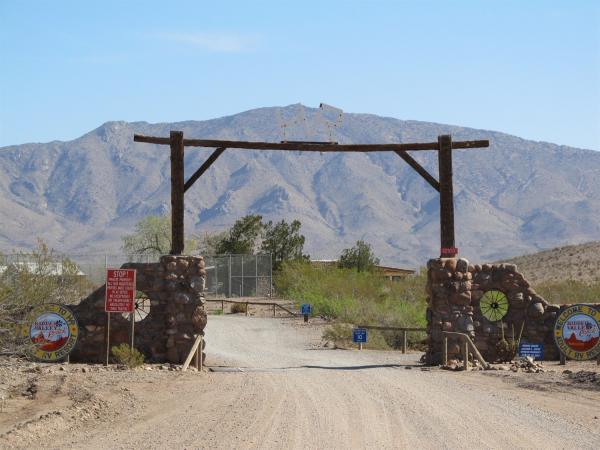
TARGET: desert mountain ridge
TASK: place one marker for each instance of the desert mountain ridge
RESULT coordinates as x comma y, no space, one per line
516,197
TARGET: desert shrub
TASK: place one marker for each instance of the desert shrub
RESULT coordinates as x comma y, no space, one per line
32,279
238,308
352,297
570,291
341,335
127,356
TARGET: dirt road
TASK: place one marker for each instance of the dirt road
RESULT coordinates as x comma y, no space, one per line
275,386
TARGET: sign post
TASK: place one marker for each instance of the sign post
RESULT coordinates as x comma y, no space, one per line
120,297
306,310
359,336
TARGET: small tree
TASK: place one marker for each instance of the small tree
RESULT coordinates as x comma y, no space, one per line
209,243
359,257
283,241
152,236
242,237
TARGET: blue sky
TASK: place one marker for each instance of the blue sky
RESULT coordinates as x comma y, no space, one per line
529,68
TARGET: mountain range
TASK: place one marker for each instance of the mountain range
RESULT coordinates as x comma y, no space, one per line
515,197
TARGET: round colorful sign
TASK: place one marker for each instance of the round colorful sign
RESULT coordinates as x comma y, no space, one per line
577,332
51,333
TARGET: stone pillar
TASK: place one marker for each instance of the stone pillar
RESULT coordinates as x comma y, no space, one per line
175,287
455,288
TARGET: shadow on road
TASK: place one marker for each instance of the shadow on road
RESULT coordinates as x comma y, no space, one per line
282,369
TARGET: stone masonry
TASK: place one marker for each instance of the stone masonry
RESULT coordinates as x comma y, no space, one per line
454,289
175,287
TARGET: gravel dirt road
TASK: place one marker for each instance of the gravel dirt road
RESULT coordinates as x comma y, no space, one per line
273,385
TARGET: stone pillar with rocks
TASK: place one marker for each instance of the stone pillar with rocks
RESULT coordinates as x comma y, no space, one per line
455,289
174,287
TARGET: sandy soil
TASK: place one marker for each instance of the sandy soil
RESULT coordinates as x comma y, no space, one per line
273,385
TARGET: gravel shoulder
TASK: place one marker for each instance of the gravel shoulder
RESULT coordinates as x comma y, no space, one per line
274,385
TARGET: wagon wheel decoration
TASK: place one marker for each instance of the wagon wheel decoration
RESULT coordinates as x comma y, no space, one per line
494,305
141,307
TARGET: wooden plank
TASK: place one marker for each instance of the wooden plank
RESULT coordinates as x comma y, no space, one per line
465,337
203,168
446,191
419,169
190,355
311,146
177,191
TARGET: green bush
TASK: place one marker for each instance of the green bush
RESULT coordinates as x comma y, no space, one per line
238,308
569,291
128,356
353,297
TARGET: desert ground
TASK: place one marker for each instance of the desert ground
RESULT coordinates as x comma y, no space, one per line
271,383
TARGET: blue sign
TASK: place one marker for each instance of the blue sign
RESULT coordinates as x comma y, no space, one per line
536,351
359,335
306,309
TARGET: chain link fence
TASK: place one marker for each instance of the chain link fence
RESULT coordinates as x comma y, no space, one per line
81,274
239,276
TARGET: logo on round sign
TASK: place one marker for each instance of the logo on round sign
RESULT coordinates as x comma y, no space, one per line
577,332
52,332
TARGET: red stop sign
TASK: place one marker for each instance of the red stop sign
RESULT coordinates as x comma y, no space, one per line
120,290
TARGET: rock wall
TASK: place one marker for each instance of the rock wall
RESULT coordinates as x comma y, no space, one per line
176,315
455,288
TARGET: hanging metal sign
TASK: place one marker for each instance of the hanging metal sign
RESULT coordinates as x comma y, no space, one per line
577,332
51,332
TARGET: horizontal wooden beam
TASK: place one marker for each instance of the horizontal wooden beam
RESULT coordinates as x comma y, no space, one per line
419,169
203,168
310,147
151,139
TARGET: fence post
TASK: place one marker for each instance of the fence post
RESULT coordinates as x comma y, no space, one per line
229,276
270,275
404,341
216,277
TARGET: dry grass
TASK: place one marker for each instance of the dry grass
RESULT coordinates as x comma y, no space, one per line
572,263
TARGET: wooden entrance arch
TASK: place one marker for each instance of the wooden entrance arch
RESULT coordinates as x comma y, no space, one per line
443,184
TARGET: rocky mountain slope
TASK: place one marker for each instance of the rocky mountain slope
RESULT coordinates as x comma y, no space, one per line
516,197
572,262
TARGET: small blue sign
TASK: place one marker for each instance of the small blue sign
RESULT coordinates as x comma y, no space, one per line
359,335
306,309
536,351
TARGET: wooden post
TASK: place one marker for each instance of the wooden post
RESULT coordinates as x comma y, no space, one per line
445,351
465,354
246,309
177,192
446,193
132,316
107,337
273,309
563,359
404,342
188,360
222,306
